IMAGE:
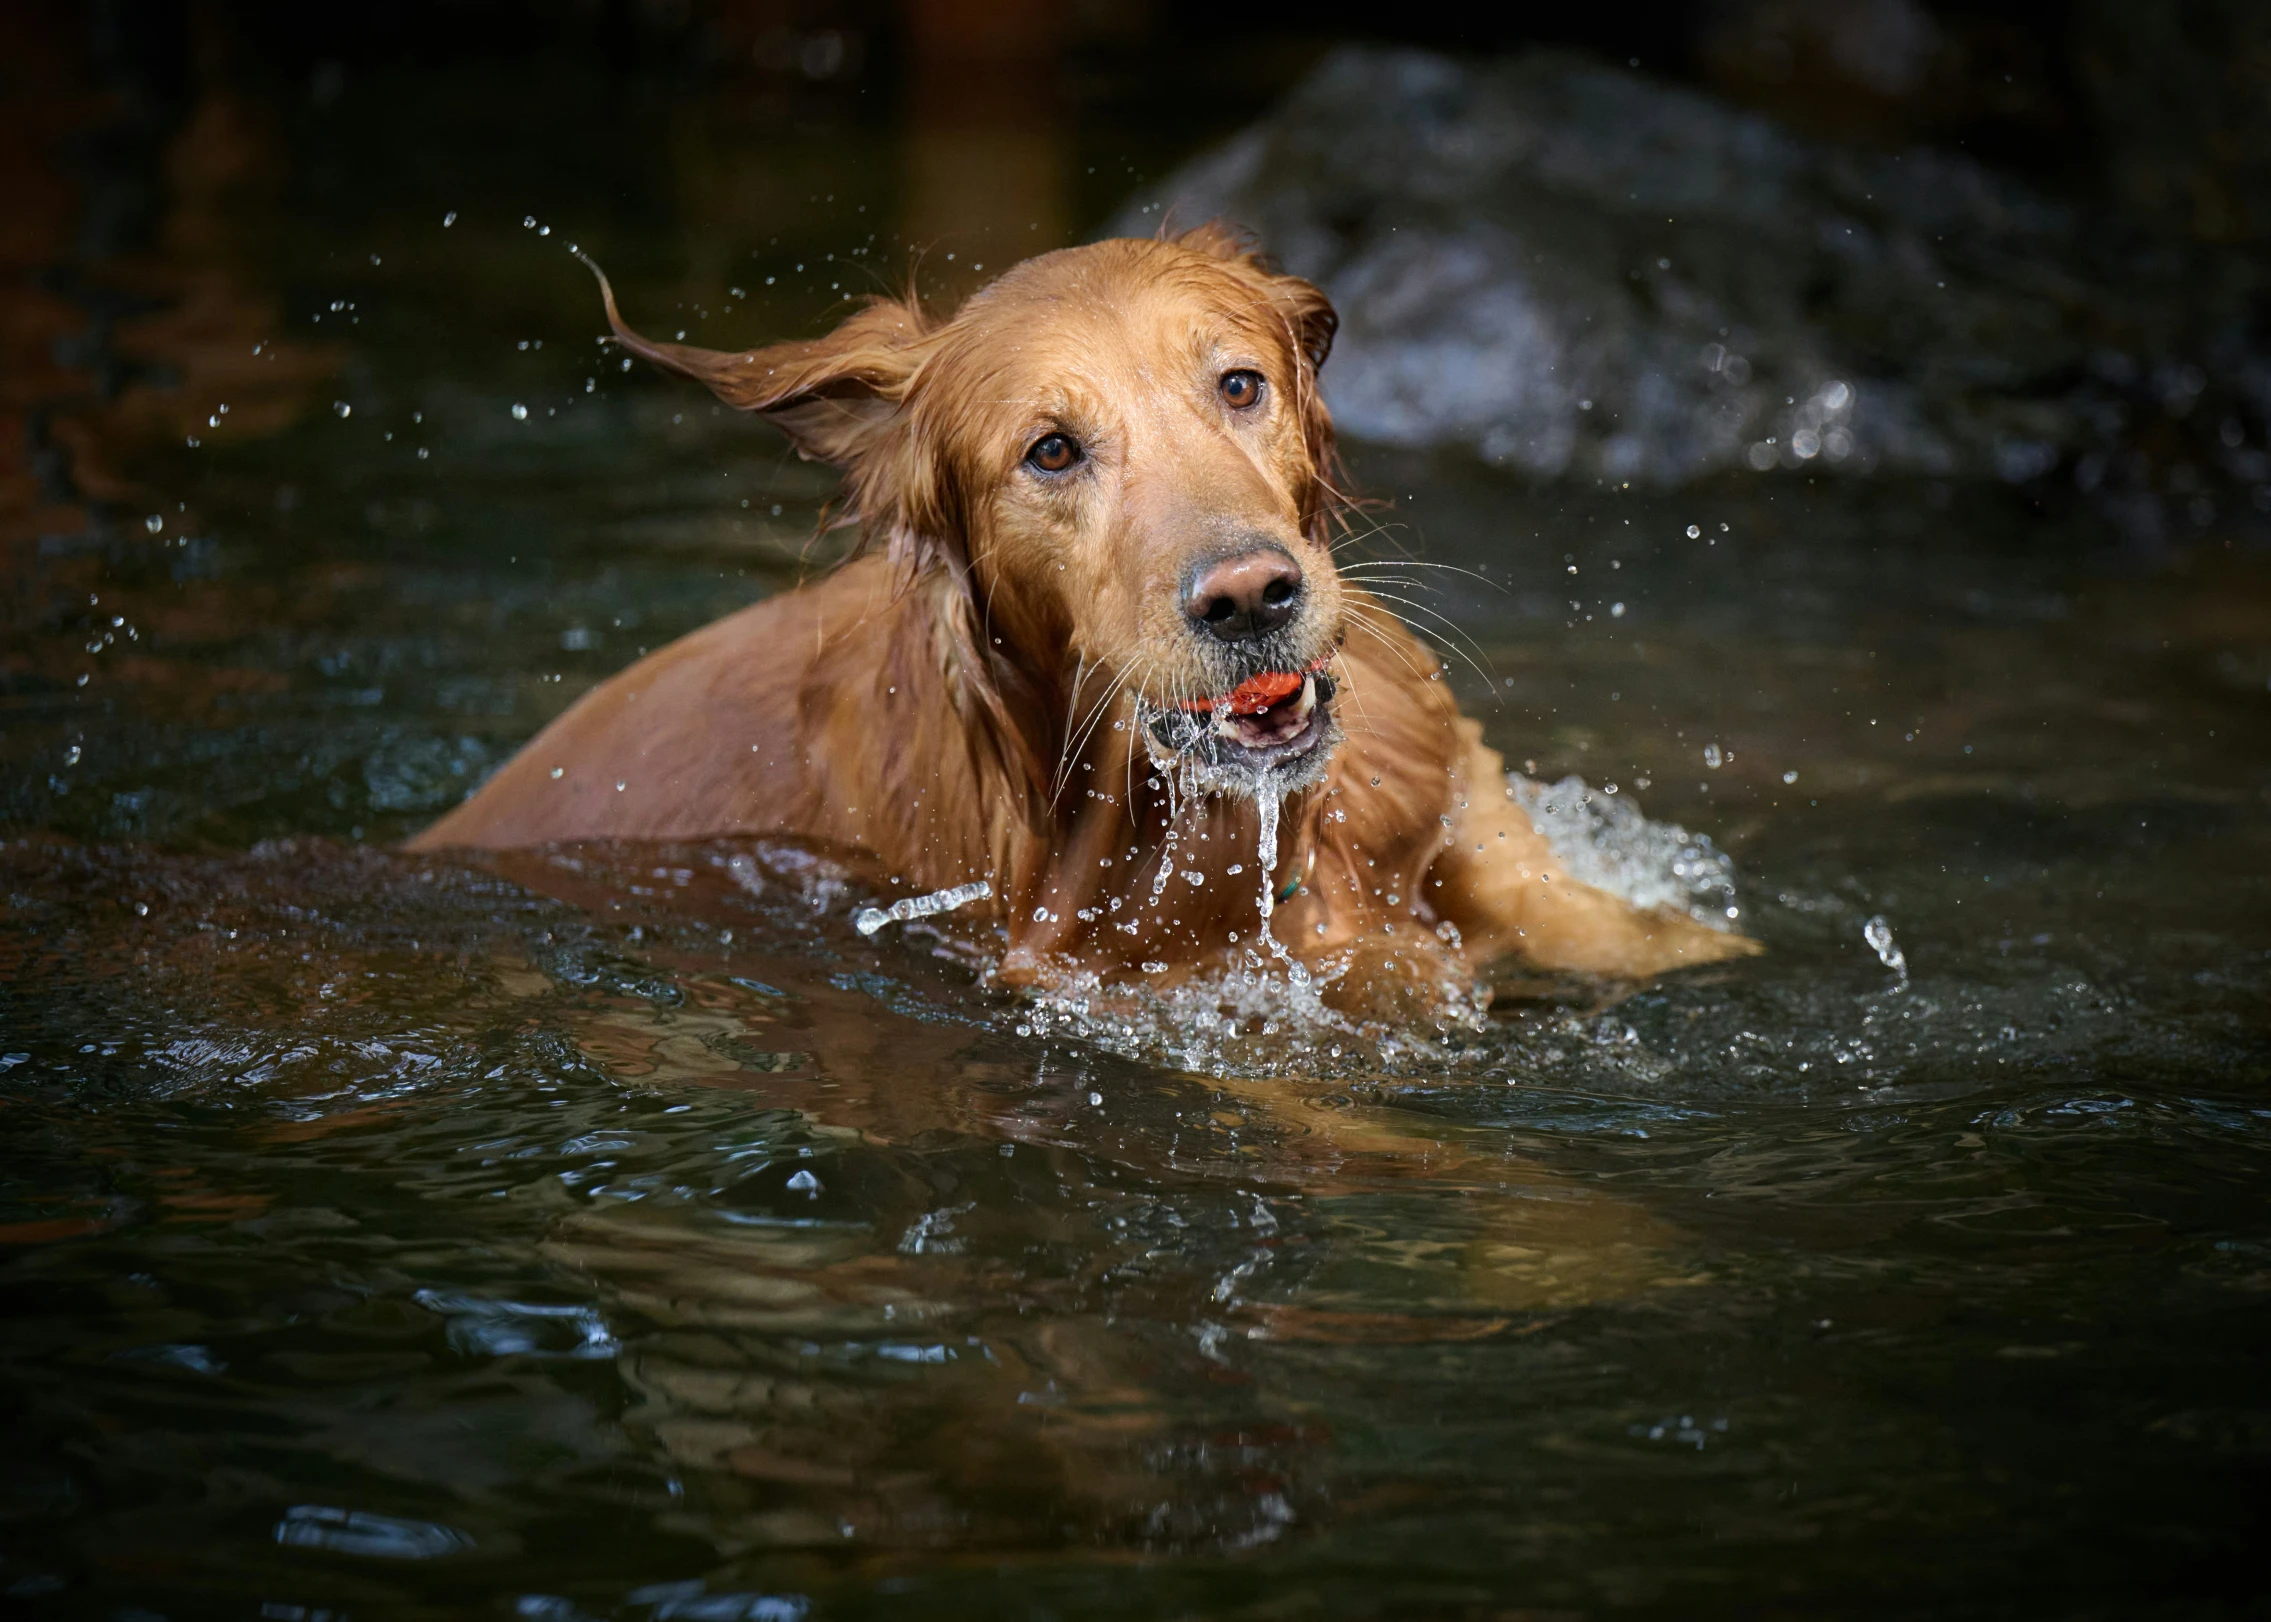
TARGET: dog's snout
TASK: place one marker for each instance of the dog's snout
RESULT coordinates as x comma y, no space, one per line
1250,594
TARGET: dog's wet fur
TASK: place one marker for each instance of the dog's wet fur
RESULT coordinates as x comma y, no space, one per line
1096,508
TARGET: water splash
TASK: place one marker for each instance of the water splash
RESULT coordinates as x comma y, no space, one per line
870,919
1263,1013
1266,1013
1270,807
1878,933
1605,841
1302,988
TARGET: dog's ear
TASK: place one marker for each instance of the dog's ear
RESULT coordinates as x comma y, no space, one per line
1306,309
1310,323
834,396
1312,315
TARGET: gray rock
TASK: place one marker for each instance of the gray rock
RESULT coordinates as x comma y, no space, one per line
1579,271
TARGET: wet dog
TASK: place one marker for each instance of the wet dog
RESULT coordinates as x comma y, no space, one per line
1094,649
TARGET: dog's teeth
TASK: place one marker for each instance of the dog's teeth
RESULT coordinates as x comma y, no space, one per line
1308,699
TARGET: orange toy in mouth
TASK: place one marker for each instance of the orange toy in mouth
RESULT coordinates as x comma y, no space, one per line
1257,693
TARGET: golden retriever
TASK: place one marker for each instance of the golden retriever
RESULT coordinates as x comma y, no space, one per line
1092,648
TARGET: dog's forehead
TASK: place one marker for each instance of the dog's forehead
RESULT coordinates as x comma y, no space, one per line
1096,309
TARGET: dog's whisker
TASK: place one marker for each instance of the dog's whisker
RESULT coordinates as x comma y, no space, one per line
1475,659
1390,641
1142,742
1374,581
1128,757
1449,625
1387,639
1352,536
1076,745
1355,690
1417,563
1064,751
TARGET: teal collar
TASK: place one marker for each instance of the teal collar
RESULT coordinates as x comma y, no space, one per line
1287,890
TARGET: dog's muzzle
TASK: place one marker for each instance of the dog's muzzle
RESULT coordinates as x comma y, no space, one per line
1275,728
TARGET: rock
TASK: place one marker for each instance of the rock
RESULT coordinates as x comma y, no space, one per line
1575,270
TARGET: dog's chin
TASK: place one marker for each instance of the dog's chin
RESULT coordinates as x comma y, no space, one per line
1276,750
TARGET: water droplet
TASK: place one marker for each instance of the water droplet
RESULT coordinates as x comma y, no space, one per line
343,408
520,413
559,772
1695,532
1878,933
449,219
154,523
528,222
870,919
1712,757
806,1184
1789,777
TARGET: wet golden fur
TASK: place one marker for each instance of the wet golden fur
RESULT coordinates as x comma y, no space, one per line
960,699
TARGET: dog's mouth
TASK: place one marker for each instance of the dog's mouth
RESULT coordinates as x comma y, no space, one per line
1275,722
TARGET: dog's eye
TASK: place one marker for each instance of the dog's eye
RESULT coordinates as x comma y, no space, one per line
1053,453
1241,389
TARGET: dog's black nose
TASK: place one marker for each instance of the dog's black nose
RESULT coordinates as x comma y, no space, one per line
1236,599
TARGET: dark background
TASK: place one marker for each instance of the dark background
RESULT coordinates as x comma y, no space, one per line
156,155
2161,110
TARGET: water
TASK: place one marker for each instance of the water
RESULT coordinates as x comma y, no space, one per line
870,919
621,1233
1603,839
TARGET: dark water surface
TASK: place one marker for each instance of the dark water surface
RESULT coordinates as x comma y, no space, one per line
619,1234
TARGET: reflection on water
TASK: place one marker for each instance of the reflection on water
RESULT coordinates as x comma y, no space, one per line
619,1232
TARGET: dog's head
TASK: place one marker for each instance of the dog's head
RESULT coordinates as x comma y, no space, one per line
1120,452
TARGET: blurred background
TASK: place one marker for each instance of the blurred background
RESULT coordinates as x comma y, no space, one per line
2014,241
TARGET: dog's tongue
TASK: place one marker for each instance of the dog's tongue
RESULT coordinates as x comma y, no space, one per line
1257,693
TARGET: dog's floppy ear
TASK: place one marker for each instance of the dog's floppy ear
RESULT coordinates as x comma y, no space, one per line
1303,304
1311,321
1314,319
834,396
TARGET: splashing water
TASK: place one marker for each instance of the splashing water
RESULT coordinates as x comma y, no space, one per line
1878,933
1604,841
1270,807
1248,1019
870,919
1266,1014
